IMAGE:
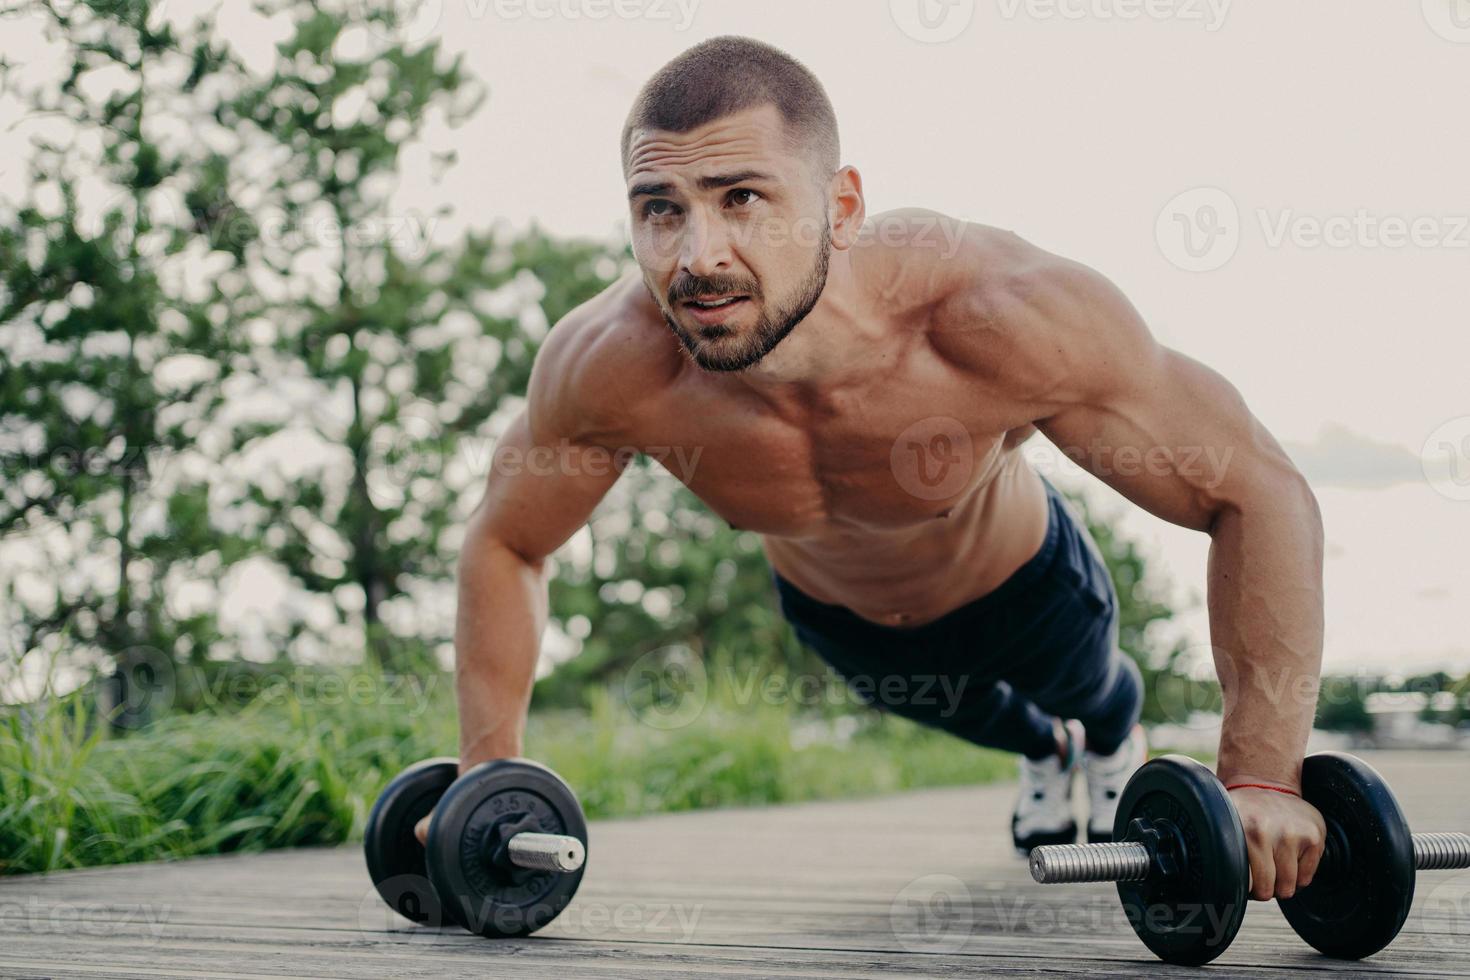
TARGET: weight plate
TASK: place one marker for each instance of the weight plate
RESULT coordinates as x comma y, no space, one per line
395,858
1359,898
1191,916
490,802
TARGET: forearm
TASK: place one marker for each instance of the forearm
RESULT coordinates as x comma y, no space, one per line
501,616
1265,607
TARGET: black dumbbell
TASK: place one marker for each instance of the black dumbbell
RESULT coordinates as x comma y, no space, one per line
1181,866
507,845
1360,896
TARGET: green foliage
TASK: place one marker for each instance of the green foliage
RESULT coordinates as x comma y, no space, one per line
1342,706
295,771
112,367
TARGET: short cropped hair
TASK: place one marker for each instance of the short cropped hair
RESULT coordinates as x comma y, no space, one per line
726,75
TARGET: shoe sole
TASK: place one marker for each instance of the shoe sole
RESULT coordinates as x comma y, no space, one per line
1024,845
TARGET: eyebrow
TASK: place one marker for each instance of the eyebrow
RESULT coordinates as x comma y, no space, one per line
713,182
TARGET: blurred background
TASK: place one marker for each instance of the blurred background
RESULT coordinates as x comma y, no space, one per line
272,278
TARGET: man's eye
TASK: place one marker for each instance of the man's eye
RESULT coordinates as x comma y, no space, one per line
658,209
742,196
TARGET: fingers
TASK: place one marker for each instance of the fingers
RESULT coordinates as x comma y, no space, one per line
1288,859
1262,862
421,831
1311,857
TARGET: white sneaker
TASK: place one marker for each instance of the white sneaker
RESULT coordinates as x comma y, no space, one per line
1106,776
1043,812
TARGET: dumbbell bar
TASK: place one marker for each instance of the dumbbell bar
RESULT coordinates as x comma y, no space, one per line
1062,864
546,852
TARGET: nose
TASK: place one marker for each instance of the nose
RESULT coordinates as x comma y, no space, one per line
706,247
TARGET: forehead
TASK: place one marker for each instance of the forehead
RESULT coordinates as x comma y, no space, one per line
744,137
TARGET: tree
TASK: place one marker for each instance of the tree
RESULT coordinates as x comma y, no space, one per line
389,354
112,364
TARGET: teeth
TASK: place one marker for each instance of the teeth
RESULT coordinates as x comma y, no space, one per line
715,305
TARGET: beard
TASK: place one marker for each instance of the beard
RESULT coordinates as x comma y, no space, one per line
718,348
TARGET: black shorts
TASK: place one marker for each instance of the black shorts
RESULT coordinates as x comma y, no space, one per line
996,670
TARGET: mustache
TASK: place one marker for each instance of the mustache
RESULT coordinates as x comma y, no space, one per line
688,287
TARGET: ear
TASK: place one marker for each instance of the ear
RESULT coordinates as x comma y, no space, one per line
845,199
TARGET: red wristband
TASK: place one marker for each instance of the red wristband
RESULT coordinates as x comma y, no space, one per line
1274,789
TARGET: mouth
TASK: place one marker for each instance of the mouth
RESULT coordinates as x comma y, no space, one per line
714,309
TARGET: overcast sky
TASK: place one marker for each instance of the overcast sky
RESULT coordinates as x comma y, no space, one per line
1279,188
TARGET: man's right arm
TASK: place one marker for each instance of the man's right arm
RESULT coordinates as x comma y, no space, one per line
539,492
550,469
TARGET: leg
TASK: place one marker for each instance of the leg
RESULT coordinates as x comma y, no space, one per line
903,671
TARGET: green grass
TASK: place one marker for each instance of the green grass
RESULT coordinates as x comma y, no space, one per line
283,772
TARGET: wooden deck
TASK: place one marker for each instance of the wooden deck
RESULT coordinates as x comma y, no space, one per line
921,884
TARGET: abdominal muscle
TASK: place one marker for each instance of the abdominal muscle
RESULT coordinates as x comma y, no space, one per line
916,574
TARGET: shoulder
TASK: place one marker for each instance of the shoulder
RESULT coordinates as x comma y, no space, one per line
601,365
1048,325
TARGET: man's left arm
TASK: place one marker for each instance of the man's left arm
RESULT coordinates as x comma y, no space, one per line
1176,438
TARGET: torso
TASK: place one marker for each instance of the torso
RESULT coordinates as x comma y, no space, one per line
901,497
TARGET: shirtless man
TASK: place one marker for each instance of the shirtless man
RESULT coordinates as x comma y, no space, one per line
857,391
